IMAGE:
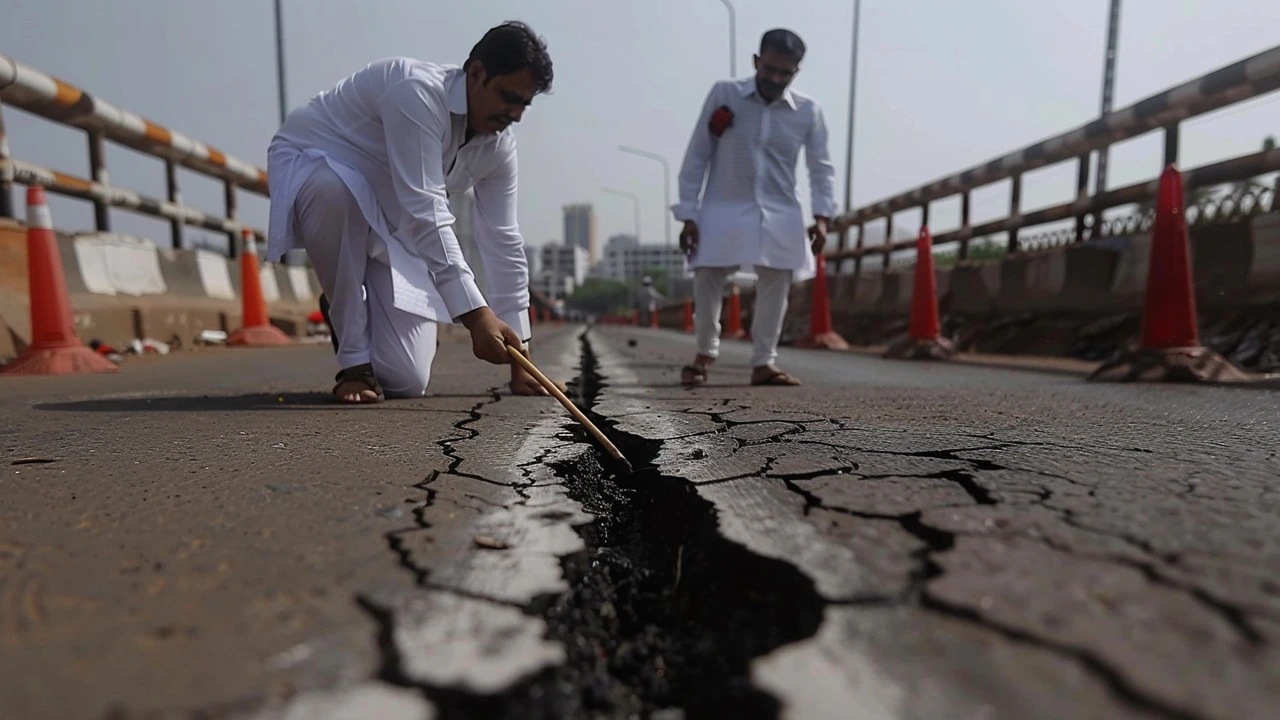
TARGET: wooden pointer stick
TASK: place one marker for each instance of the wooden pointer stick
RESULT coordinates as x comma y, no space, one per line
577,414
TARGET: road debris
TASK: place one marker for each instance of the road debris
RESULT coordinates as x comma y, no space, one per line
489,543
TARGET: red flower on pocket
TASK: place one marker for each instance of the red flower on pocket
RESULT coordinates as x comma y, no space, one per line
721,119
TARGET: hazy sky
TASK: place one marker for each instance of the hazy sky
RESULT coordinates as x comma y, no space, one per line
942,84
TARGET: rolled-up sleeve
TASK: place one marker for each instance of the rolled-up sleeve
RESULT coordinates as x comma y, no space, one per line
414,127
822,172
693,171
500,243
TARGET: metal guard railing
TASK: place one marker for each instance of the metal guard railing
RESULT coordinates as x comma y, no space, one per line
61,102
1249,78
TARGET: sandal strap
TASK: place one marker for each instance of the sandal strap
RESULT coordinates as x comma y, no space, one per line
362,373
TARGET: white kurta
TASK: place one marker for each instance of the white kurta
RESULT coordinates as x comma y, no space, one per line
395,133
749,213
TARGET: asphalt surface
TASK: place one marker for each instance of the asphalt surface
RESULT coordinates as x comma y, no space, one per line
204,535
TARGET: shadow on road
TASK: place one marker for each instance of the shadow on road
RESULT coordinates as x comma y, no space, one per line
228,403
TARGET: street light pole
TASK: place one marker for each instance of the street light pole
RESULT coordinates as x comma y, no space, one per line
853,95
635,203
280,60
1108,86
666,184
733,39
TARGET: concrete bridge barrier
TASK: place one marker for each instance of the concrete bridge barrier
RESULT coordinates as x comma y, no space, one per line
1222,256
1031,282
123,288
1090,273
974,287
1264,269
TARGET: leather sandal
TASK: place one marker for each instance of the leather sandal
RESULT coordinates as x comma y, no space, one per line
362,374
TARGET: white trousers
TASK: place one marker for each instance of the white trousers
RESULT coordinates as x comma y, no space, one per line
400,345
772,290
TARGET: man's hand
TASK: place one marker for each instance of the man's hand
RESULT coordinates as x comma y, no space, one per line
522,383
818,235
689,238
490,336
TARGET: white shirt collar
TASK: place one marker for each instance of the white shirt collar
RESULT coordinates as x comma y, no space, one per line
747,87
456,87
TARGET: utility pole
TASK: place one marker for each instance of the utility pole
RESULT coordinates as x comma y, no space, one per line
733,39
284,106
1108,85
853,95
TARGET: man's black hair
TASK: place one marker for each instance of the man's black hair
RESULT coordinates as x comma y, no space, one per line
784,42
512,47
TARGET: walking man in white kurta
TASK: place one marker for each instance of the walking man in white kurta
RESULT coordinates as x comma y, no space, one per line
361,178
745,149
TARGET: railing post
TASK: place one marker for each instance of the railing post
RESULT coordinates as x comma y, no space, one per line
1082,191
888,242
6,172
842,243
857,260
963,252
1015,212
1170,145
233,238
924,215
98,171
174,193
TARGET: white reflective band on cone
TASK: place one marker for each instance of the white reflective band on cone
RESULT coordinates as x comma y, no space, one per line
38,217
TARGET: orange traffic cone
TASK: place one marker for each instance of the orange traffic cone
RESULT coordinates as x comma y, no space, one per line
653,318
821,335
55,349
546,315
1169,348
687,326
924,339
257,330
733,324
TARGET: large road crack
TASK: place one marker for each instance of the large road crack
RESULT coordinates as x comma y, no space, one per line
664,611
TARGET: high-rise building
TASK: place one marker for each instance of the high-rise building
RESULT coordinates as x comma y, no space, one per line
564,268
580,229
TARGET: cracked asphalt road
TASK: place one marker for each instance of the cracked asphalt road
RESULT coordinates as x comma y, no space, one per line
987,543
891,540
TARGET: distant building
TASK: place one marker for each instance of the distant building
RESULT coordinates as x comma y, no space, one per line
562,270
580,230
627,261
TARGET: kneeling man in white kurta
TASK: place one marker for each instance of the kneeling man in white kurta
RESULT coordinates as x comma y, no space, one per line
745,149
361,176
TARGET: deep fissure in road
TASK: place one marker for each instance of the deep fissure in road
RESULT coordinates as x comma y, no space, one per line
664,612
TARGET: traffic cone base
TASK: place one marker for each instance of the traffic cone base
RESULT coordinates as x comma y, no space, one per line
72,360
55,349
259,336
687,325
1189,364
909,348
1169,347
